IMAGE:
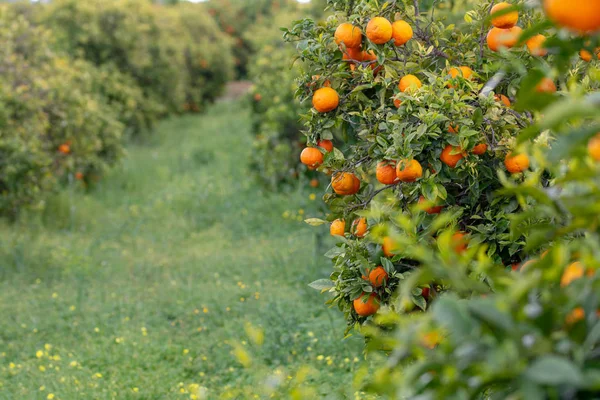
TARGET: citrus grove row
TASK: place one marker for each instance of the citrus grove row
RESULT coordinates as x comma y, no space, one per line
463,154
80,78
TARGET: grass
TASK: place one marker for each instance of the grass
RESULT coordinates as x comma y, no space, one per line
176,278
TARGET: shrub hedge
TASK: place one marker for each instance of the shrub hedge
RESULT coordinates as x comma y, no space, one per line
79,77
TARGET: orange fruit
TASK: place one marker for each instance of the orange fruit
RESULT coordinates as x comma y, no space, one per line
504,21
507,38
409,171
452,128
325,99
579,16
401,32
573,272
459,242
451,155
517,163
368,306
546,85
314,183
345,183
371,56
337,227
79,176
377,276
431,339
64,148
593,147
349,35
389,246
257,97
587,56
325,144
429,209
379,30
578,314
465,72
535,45
409,82
386,172
397,103
505,100
359,227
480,149
311,157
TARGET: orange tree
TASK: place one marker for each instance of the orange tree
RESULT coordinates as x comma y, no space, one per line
460,188
427,110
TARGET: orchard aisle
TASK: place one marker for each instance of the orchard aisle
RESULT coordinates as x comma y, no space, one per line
143,288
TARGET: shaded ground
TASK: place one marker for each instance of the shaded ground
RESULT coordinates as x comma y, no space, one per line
161,282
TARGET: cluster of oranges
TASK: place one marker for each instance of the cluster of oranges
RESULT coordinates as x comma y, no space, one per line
504,34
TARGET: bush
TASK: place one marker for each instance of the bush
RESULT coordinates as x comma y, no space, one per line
275,110
53,123
171,52
449,236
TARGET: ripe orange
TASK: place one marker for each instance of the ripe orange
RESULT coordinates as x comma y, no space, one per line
498,37
337,227
401,32
505,100
345,183
504,21
480,149
535,45
325,99
451,155
377,276
580,15
79,176
389,246
359,227
349,35
386,172
452,128
64,148
325,144
517,163
578,314
314,183
572,272
257,97
546,85
379,30
397,103
465,72
429,209
371,56
409,171
367,307
593,147
311,157
409,82
459,242
587,56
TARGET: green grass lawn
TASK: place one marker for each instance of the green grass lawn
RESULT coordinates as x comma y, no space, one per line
174,272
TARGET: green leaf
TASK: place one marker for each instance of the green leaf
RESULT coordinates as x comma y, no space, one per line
321,284
315,221
486,310
554,370
451,312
